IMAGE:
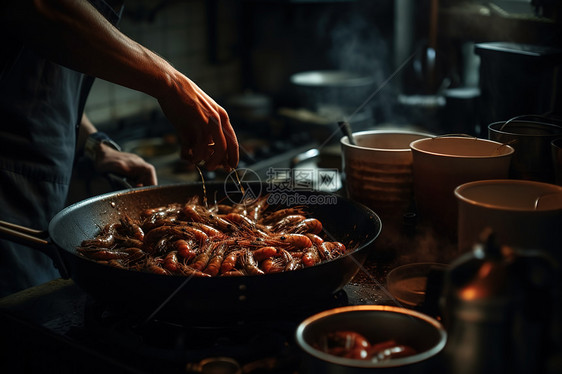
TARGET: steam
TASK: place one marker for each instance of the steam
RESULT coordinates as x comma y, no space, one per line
357,46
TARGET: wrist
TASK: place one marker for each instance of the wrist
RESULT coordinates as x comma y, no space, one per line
94,142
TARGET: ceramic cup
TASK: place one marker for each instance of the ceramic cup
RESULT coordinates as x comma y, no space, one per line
440,164
523,214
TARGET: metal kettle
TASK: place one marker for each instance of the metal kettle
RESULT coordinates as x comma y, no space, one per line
498,306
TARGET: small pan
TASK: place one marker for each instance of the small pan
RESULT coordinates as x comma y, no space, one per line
343,220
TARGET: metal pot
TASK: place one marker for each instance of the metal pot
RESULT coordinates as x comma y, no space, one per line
329,88
499,310
377,323
204,297
531,140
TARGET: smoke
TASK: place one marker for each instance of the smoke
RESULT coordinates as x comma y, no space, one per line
357,46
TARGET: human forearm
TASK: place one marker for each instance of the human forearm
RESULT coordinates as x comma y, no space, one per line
86,128
72,33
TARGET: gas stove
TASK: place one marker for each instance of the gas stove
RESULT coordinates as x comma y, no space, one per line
56,327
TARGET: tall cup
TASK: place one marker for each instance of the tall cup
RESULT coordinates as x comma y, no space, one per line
532,143
440,164
377,172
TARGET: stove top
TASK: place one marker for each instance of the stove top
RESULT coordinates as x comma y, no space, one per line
56,327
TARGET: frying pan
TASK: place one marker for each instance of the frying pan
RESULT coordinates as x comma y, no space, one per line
343,220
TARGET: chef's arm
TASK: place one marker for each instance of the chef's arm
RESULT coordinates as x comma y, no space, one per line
72,33
108,158
86,129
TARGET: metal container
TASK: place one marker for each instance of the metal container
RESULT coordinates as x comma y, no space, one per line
327,88
377,323
518,79
499,310
556,148
531,140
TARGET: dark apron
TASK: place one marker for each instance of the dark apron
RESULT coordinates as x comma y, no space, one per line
41,104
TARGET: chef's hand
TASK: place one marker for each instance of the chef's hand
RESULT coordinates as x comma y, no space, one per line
63,31
203,126
129,165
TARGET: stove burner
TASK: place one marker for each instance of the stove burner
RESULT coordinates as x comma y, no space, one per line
175,340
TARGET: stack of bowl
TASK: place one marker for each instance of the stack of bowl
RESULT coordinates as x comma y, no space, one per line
378,170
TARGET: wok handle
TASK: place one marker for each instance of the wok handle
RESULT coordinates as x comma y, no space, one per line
36,239
118,182
24,235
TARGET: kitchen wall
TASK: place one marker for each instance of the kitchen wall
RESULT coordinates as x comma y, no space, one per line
198,37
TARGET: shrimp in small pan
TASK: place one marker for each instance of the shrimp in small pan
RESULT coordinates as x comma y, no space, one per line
287,223
105,239
280,214
230,260
213,267
193,239
131,228
290,241
309,225
186,249
284,262
250,264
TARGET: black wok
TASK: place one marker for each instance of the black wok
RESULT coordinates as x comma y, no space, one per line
344,221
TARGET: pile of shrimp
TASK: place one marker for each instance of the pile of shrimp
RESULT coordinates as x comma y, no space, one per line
194,239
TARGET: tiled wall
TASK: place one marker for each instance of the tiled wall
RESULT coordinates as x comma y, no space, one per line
179,33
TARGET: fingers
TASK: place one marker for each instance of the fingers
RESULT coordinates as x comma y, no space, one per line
233,153
203,126
218,145
128,165
147,176
139,172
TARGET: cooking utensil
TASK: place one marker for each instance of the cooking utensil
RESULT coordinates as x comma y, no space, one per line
377,323
499,310
346,130
327,88
224,296
530,136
